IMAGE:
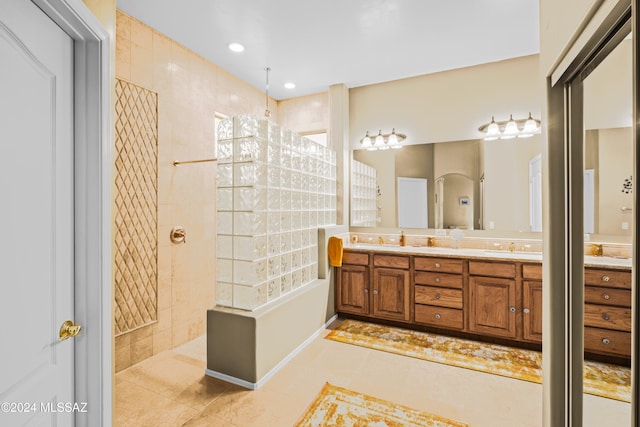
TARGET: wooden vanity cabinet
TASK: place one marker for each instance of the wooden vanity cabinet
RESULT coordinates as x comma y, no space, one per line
607,312
438,292
532,302
390,296
374,285
352,284
492,298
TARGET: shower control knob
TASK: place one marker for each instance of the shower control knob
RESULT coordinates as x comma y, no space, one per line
178,235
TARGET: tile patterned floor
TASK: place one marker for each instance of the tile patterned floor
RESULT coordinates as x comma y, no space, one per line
170,389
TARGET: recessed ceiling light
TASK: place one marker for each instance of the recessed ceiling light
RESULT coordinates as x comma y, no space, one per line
236,47
290,85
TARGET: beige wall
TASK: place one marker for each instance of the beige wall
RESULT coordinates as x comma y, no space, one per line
447,106
305,114
607,91
615,165
506,187
559,20
190,92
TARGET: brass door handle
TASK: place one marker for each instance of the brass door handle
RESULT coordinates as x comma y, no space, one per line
69,330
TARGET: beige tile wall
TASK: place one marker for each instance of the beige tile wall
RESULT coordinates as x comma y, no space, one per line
190,91
305,114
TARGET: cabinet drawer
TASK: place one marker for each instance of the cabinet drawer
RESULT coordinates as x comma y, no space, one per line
438,279
445,265
606,341
439,316
602,316
391,261
492,269
441,297
355,258
607,296
607,278
532,271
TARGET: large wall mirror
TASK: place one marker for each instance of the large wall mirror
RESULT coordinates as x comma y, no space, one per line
496,185
472,185
608,145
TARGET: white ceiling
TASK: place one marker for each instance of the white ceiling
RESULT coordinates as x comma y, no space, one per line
319,43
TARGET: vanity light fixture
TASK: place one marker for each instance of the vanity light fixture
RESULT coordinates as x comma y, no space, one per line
383,141
512,128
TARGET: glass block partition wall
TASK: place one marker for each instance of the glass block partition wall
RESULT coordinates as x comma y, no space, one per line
364,209
274,188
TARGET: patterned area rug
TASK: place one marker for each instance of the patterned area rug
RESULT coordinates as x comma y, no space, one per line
336,406
610,381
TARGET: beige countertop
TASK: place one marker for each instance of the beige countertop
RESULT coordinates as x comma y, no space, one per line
495,255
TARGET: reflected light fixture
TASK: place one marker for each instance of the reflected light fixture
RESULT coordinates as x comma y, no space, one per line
383,141
509,129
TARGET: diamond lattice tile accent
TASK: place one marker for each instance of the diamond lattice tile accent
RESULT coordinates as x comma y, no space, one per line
136,199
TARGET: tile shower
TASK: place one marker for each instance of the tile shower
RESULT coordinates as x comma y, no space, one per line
274,188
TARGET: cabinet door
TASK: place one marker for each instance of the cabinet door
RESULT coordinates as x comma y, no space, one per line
352,293
532,311
391,294
492,306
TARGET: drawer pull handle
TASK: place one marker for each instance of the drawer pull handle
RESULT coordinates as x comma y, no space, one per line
437,280
437,316
437,265
605,278
366,291
437,296
512,309
605,317
605,341
605,296
526,311
375,292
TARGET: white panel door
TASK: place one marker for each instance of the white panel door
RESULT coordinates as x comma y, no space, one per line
412,202
36,216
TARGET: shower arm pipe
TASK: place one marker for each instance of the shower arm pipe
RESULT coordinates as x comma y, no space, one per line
184,162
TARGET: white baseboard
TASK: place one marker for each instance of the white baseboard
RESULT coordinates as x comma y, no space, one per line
275,369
